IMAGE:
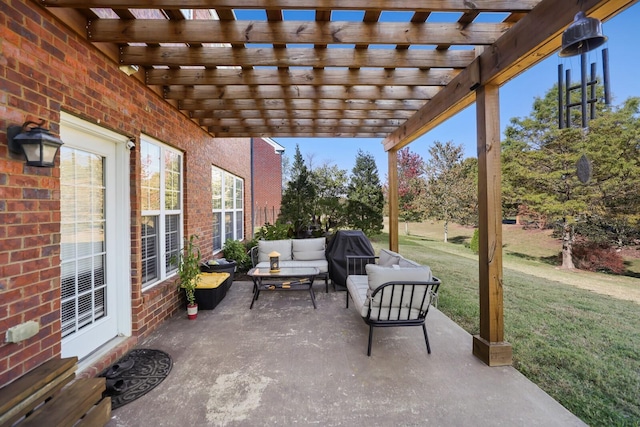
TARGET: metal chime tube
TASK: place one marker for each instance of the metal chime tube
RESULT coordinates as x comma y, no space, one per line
583,83
560,95
605,72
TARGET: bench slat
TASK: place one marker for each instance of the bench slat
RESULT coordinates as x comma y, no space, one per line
33,388
68,406
98,416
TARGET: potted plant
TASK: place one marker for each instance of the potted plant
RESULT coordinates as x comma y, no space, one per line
189,274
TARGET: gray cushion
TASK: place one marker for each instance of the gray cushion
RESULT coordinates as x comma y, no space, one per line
308,255
265,247
358,287
379,275
388,258
407,263
306,249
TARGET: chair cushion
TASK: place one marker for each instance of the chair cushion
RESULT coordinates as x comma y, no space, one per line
358,288
407,263
404,300
265,247
388,258
379,275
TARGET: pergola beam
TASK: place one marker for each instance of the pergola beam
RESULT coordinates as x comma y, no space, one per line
325,5
290,32
293,77
208,56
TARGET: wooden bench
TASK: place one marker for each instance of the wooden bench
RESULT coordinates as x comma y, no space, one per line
40,398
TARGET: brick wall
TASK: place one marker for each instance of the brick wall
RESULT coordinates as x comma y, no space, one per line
44,69
267,185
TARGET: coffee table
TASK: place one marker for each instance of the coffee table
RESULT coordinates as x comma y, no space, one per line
301,279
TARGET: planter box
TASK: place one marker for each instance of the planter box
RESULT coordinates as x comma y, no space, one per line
211,290
221,268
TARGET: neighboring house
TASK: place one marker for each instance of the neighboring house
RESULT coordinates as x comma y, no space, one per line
86,246
267,180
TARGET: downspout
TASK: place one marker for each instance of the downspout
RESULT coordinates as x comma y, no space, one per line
252,195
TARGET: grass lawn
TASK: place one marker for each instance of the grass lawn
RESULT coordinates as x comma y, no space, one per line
576,335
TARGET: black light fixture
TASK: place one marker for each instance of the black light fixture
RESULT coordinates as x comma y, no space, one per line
583,35
37,144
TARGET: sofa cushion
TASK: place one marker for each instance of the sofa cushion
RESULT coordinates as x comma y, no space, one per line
388,258
265,247
308,255
315,244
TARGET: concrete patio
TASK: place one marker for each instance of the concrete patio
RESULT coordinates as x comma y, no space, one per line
284,363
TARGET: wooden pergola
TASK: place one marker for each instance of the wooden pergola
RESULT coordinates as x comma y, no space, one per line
387,69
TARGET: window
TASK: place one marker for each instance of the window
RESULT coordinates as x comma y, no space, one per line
227,204
161,184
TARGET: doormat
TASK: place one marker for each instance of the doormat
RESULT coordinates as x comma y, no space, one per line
135,374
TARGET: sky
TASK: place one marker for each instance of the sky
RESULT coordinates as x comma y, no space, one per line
516,100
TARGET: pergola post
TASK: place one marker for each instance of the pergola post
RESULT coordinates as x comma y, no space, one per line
490,346
393,200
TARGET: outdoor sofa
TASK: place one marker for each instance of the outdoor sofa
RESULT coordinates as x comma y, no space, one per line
390,290
294,253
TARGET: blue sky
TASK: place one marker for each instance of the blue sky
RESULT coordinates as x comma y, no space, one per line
516,99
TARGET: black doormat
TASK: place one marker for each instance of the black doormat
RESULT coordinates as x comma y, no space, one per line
135,374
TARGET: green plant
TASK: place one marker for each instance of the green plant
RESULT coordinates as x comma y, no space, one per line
234,251
189,269
277,231
474,245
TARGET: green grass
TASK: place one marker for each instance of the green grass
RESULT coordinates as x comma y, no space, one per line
581,347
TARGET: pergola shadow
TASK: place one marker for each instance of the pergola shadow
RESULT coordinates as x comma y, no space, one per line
285,363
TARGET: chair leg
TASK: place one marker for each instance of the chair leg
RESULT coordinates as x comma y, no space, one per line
347,294
326,282
426,338
370,340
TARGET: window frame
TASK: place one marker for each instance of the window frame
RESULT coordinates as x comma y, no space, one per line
161,214
227,198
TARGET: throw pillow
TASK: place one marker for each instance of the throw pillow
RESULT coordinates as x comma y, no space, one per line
388,258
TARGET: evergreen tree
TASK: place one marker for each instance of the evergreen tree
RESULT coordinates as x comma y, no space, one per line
298,196
365,198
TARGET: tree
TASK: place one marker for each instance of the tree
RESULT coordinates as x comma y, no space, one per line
540,167
411,186
365,198
451,190
298,196
329,205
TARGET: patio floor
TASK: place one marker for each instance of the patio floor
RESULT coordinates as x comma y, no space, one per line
284,363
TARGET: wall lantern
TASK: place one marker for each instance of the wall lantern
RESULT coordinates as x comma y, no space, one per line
35,142
583,35
274,262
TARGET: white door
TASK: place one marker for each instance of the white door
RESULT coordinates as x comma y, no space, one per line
91,279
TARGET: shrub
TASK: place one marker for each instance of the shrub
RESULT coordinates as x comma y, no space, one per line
474,245
592,256
234,251
277,231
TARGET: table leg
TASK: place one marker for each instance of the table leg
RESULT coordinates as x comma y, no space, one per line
313,296
256,291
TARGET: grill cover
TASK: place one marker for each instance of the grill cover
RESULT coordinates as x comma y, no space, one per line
343,243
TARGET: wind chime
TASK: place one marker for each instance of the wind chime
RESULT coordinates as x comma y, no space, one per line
582,36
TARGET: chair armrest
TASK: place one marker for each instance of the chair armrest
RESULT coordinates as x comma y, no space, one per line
253,254
356,263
